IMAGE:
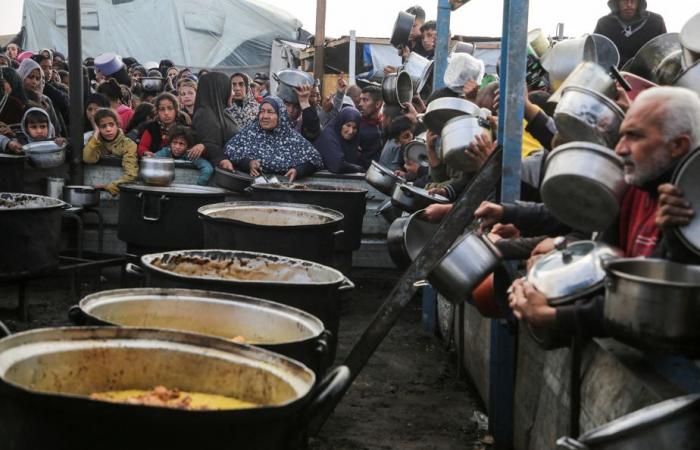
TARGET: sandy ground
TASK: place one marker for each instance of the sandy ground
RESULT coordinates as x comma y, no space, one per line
409,396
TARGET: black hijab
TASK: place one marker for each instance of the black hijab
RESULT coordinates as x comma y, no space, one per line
213,92
11,76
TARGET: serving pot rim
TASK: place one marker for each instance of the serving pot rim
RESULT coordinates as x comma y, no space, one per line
423,193
598,96
174,188
87,304
335,216
146,260
612,270
584,145
280,187
57,203
235,174
209,346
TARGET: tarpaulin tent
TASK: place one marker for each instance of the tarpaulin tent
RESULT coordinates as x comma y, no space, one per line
193,33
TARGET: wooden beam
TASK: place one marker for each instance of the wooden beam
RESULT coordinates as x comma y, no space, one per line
319,40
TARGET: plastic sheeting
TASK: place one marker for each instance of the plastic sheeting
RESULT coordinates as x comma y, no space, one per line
193,33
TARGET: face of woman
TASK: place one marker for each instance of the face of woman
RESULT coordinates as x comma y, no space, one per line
238,88
187,96
268,117
166,112
33,80
348,131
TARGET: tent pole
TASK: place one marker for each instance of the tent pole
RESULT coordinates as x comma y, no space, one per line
352,57
75,67
319,42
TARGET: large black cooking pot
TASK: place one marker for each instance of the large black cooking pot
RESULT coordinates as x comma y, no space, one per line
31,234
273,326
47,376
348,200
305,285
12,172
289,229
163,217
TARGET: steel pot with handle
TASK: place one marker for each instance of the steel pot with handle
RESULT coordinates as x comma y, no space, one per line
402,29
47,377
235,181
407,236
417,151
470,260
45,154
586,115
397,88
686,178
382,179
444,109
411,199
583,185
563,58
157,171
456,136
82,196
288,79
671,424
654,303
419,69
273,326
651,54
589,75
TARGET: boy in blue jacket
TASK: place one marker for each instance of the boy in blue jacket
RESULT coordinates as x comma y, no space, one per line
182,139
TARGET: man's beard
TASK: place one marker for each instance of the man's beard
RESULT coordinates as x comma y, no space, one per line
653,168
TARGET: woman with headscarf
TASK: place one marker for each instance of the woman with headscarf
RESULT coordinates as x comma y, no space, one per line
13,100
338,143
32,78
244,108
271,145
212,123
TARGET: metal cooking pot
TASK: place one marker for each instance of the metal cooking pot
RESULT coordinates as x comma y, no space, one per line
590,75
464,47
382,179
585,115
81,196
39,390
690,78
157,171
54,187
288,79
411,199
397,88
350,201
669,69
402,29
419,69
388,211
690,40
45,154
670,424
305,285
417,151
444,109
685,177
470,260
538,41
152,84
31,232
583,185
563,58
12,172
456,136
607,54
153,218
289,229
272,326
651,54
235,181
407,236
654,303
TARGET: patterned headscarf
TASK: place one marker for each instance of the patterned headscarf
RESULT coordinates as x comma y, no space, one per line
278,150
247,112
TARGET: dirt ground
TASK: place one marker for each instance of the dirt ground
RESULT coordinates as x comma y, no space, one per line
409,396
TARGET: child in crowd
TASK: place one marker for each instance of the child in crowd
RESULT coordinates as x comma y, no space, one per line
181,140
36,126
399,133
143,114
187,93
109,139
155,134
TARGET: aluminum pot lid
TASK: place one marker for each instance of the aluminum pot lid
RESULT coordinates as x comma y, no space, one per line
571,270
187,189
687,178
420,192
645,417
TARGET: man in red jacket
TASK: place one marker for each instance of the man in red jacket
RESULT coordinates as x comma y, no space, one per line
661,127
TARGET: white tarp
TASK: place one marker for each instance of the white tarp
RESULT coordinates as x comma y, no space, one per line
193,33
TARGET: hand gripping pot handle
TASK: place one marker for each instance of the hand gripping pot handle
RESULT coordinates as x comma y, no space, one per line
567,443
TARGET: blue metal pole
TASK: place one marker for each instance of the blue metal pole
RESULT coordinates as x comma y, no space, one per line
442,46
510,134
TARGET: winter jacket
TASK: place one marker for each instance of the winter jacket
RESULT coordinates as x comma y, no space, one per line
122,147
205,168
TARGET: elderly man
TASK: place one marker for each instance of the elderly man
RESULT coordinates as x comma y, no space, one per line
629,25
661,127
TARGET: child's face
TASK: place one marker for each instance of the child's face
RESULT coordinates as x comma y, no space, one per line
108,128
90,111
33,80
411,166
404,138
166,112
187,96
38,131
178,147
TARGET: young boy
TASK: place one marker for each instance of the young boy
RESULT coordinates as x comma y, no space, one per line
182,139
36,127
109,139
399,133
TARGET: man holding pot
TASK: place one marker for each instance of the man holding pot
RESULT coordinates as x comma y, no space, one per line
629,25
661,127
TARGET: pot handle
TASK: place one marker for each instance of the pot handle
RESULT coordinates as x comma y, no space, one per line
163,198
76,315
325,395
421,283
4,331
276,78
620,79
322,347
337,235
133,269
407,191
567,443
346,285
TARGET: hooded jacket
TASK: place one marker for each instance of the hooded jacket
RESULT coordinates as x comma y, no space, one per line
629,37
27,137
122,147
